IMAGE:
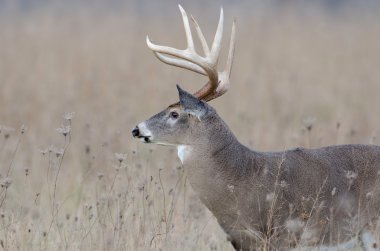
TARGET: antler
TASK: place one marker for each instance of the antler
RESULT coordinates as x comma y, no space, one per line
189,59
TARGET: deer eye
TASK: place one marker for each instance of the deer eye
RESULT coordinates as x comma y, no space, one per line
174,115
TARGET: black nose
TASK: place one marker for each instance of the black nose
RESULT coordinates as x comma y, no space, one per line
135,132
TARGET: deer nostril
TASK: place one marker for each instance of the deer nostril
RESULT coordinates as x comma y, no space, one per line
136,132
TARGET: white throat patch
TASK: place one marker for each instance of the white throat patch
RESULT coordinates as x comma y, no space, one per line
183,152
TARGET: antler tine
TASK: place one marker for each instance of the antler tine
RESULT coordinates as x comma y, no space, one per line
181,59
231,51
217,44
167,50
224,77
201,37
186,25
180,63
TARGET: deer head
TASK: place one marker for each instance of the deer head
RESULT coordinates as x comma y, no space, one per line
186,121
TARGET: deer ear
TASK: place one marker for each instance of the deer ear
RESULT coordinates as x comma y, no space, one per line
191,104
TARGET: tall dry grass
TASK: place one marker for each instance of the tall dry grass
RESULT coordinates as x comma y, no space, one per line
72,192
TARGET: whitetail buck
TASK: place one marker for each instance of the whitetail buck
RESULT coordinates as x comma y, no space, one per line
309,199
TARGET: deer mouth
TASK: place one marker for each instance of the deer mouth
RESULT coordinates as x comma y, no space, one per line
145,139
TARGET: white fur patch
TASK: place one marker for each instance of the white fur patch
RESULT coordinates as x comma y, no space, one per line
183,152
172,122
144,131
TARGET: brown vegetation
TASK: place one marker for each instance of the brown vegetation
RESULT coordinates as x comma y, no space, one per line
289,67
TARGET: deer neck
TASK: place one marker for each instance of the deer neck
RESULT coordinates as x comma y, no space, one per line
217,155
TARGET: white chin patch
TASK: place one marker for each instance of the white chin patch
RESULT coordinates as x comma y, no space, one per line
145,140
183,152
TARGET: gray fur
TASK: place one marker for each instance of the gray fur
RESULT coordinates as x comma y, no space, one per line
191,104
274,200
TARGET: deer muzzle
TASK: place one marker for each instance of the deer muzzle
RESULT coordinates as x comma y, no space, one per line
142,134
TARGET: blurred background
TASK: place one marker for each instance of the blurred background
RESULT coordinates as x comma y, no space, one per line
306,73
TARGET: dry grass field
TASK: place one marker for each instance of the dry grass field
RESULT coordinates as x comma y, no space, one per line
66,189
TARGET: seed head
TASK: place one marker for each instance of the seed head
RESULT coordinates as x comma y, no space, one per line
57,151
23,129
100,175
230,188
69,115
121,156
64,130
351,175
5,182
44,151
309,122
6,131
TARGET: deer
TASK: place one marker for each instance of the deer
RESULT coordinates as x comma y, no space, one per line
298,199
